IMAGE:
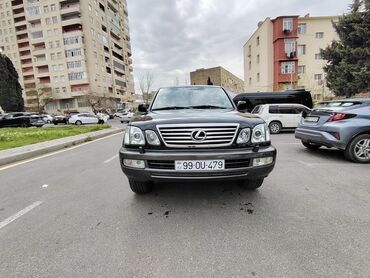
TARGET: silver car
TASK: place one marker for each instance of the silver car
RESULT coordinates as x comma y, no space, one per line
343,124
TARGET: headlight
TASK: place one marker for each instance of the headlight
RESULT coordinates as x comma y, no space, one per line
152,138
244,136
134,136
260,134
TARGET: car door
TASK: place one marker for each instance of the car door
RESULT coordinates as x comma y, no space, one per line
7,120
91,119
299,110
288,116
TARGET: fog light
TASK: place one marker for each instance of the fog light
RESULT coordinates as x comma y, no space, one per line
134,163
260,161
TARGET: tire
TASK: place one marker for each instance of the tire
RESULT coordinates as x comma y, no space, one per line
140,187
311,146
55,123
78,123
251,184
358,150
275,127
100,122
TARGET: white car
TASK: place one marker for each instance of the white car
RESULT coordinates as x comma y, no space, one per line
126,117
47,118
103,116
85,118
280,116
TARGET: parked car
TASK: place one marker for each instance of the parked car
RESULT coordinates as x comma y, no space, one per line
60,119
21,119
85,118
343,124
126,117
103,116
280,116
119,113
47,118
195,133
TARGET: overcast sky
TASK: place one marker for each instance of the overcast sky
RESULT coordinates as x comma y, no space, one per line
170,38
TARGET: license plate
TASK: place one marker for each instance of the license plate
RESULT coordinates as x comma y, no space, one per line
199,165
311,119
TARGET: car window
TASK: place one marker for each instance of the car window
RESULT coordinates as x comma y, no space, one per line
274,109
287,110
257,109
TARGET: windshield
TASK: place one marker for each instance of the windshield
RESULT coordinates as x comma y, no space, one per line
191,98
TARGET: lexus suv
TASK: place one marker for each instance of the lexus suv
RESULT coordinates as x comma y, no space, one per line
341,124
195,133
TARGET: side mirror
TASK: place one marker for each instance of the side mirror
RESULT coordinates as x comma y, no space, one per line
304,114
143,108
242,105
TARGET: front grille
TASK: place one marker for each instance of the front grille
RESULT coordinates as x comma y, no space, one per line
161,164
183,135
170,164
237,163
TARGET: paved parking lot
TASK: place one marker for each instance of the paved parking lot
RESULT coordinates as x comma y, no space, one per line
75,216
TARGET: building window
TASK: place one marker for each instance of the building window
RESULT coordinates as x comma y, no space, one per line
57,90
250,65
46,9
301,69
76,75
74,64
54,67
288,24
72,40
249,50
64,89
73,52
319,35
52,56
318,77
317,56
302,28
258,77
52,7
55,19
57,43
301,49
32,11
289,46
287,67
51,45
258,41
59,55
36,35
258,59
47,21
250,80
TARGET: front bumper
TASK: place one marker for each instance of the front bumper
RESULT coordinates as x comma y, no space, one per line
240,160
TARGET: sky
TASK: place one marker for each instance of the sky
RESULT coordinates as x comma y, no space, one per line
171,38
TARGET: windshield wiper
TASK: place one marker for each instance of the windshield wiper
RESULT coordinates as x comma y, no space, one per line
170,108
207,107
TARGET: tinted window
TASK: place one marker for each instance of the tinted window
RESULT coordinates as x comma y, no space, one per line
274,109
287,110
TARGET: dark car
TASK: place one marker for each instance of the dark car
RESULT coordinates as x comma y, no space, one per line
60,119
341,124
195,133
21,119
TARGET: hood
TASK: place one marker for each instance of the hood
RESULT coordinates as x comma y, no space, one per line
151,119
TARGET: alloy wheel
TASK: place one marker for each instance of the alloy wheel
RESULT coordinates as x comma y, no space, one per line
362,149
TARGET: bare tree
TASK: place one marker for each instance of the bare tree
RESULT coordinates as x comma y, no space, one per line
44,97
146,82
99,102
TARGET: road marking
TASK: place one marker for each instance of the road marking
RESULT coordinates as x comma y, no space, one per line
45,186
110,159
57,152
19,214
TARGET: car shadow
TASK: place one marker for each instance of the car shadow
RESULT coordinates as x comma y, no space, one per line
184,197
328,154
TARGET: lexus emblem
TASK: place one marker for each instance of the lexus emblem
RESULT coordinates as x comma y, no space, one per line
198,135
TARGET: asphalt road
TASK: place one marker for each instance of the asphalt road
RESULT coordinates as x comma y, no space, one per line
75,216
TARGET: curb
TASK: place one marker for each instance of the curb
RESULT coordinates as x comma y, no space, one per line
31,151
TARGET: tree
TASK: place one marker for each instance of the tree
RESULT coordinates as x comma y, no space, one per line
99,102
146,82
44,97
10,90
348,67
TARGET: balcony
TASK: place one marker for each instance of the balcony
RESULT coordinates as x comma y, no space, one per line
71,21
17,4
71,28
21,22
18,13
44,80
23,48
25,62
29,83
69,9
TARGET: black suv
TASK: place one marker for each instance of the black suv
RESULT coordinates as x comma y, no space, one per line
21,119
195,133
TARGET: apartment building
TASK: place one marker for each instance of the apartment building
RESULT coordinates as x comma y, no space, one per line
284,53
66,50
217,76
